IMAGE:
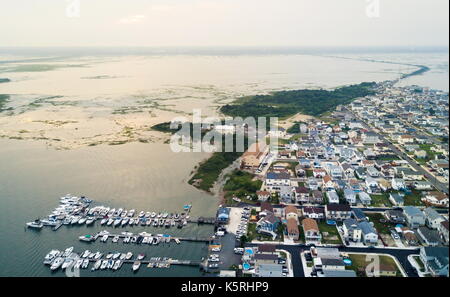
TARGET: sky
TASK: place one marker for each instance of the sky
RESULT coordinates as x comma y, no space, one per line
224,23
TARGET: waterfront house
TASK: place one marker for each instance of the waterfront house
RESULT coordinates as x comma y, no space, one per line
274,181
429,237
223,215
268,225
436,260
436,198
414,216
443,232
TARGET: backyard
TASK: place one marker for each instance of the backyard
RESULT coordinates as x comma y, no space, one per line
360,262
330,233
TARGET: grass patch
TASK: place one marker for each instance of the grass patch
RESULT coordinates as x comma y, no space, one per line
381,200
242,184
414,199
380,223
359,264
330,233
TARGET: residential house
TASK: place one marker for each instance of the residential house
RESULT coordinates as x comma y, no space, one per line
359,215
350,195
274,181
263,195
316,197
372,185
422,185
443,231
414,217
253,157
436,198
223,215
398,184
365,198
332,264
291,212
311,230
395,216
319,173
333,197
436,260
292,229
369,234
429,237
338,212
316,213
432,218
327,183
301,194
268,224
410,237
268,270
396,199
265,259
352,232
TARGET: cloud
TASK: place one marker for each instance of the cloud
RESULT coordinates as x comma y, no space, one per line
132,19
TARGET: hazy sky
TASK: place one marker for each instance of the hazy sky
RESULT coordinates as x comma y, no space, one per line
224,23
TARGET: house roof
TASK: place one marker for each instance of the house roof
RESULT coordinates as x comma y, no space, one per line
310,224
431,214
332,262
266,257
338,207
327,178
266,248
310,209
367,228
281,175
290,209
412,211
266,206
292,226
339,273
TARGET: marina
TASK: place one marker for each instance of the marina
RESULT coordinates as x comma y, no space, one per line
68,259
77,211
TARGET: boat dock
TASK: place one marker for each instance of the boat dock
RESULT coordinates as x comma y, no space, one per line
150,239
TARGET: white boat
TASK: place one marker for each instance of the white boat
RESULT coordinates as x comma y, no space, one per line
122,256
68,262
87,238
78,264
37,224
110,264
91,255
75,220
97,265
129,255
85,264
124,222
98,255
57,263
85,254
52,255
104,238
131,213
177,240
136,265
153,215
90,221
115,239
117,222
117,265
141,257
82,221
141,214
104,221
109,255
116,256
104,264
110,222
67,251
131,222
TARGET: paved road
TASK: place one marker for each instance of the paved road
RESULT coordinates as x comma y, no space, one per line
400,254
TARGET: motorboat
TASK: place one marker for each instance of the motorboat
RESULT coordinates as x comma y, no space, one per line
122,256
75,220
104,238
51,256
117,222
85,264
97,265
141,214
129,255
82,221
140,257
67,252
109,255
104,264
117,265
57,263
116,256
104,221
110,222
136,265
98,255
125,222
37,224
85,254
153,215
131,213
155,223
131,222
78,264
115,238
90,221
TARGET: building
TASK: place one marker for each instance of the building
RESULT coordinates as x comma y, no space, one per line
333,197
369,234
291,212
429,237
443,232
396,199
332,264
316,213
268,270
339,273
398,184
274,181
432,218
223,215
268,225
265,259
436,260
301,194
292,229
311,230
338,212
352,232
263,195
365,198
253,157
395,216
436,198
350,195
414,217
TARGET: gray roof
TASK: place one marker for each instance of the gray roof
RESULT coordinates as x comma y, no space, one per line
412,211
367,228
339,273
431,214
332,262
429,235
